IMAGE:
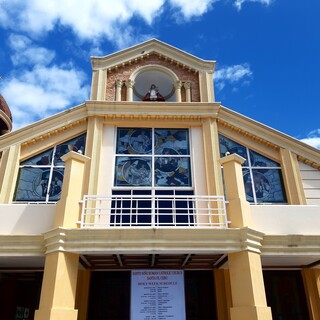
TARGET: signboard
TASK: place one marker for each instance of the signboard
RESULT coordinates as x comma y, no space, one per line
157,295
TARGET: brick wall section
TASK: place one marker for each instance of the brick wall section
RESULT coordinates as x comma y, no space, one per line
123,73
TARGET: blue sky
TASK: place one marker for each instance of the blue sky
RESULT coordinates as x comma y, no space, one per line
267,53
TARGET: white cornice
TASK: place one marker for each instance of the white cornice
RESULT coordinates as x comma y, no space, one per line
291,244
146,240
255,129
19,245
142,50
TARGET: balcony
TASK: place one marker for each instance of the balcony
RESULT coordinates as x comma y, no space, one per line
122,211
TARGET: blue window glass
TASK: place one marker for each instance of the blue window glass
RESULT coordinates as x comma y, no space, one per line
262,176
133,171
153,157
40,177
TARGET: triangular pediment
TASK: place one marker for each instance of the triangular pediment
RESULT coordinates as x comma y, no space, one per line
144,50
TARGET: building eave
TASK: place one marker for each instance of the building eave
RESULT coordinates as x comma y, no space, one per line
145,49
265,134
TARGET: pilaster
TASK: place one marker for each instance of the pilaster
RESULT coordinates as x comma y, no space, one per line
8,173
178,86
93,151
311,280
211,153
206,87
187,86
292,178
119,84
129,85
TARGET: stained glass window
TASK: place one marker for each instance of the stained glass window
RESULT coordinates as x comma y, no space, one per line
262,176
40,177
152,157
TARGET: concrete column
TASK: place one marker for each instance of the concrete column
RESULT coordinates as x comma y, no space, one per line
130,84
119,84
206,87
59,284
238,208
93,151
211,154
68,209
98,85
8,173
247,286
292,178
223,293
187,86
58,290
177,86
82,298
311,280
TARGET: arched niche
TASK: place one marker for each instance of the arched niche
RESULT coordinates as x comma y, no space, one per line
162,77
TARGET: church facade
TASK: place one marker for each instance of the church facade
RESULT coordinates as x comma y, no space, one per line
151,200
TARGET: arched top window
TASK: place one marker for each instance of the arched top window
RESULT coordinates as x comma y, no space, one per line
162,78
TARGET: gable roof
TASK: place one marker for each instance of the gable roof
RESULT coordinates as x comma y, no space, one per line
180,111
145,49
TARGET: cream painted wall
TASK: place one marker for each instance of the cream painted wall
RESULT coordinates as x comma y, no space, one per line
197,161
286,219
23,219
311,183
107,161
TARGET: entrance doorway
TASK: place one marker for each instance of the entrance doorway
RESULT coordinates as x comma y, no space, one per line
19,294
285,295
110,295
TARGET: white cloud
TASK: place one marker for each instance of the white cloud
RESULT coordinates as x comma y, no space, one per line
43,91
96,19
27,53
239,3
240,73
313,138
90,19
191,8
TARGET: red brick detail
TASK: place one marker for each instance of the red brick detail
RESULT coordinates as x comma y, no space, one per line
124,72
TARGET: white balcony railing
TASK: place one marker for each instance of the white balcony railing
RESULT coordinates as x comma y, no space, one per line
153,211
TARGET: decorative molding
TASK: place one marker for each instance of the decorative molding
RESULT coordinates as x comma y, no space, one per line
144,50
247,134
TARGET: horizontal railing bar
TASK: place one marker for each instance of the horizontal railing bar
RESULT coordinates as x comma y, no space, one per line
189,211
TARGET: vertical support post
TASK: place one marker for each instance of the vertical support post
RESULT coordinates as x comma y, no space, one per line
311,280
178,86
292,178
59,287
67,211
9,172
187,86
119,84
82,298
247,286
59,284
238,208
130,84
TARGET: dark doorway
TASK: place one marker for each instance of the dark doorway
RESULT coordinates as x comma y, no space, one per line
200,295
285,295
19,295
110,295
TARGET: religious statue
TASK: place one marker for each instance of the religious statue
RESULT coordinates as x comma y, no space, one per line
153,94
